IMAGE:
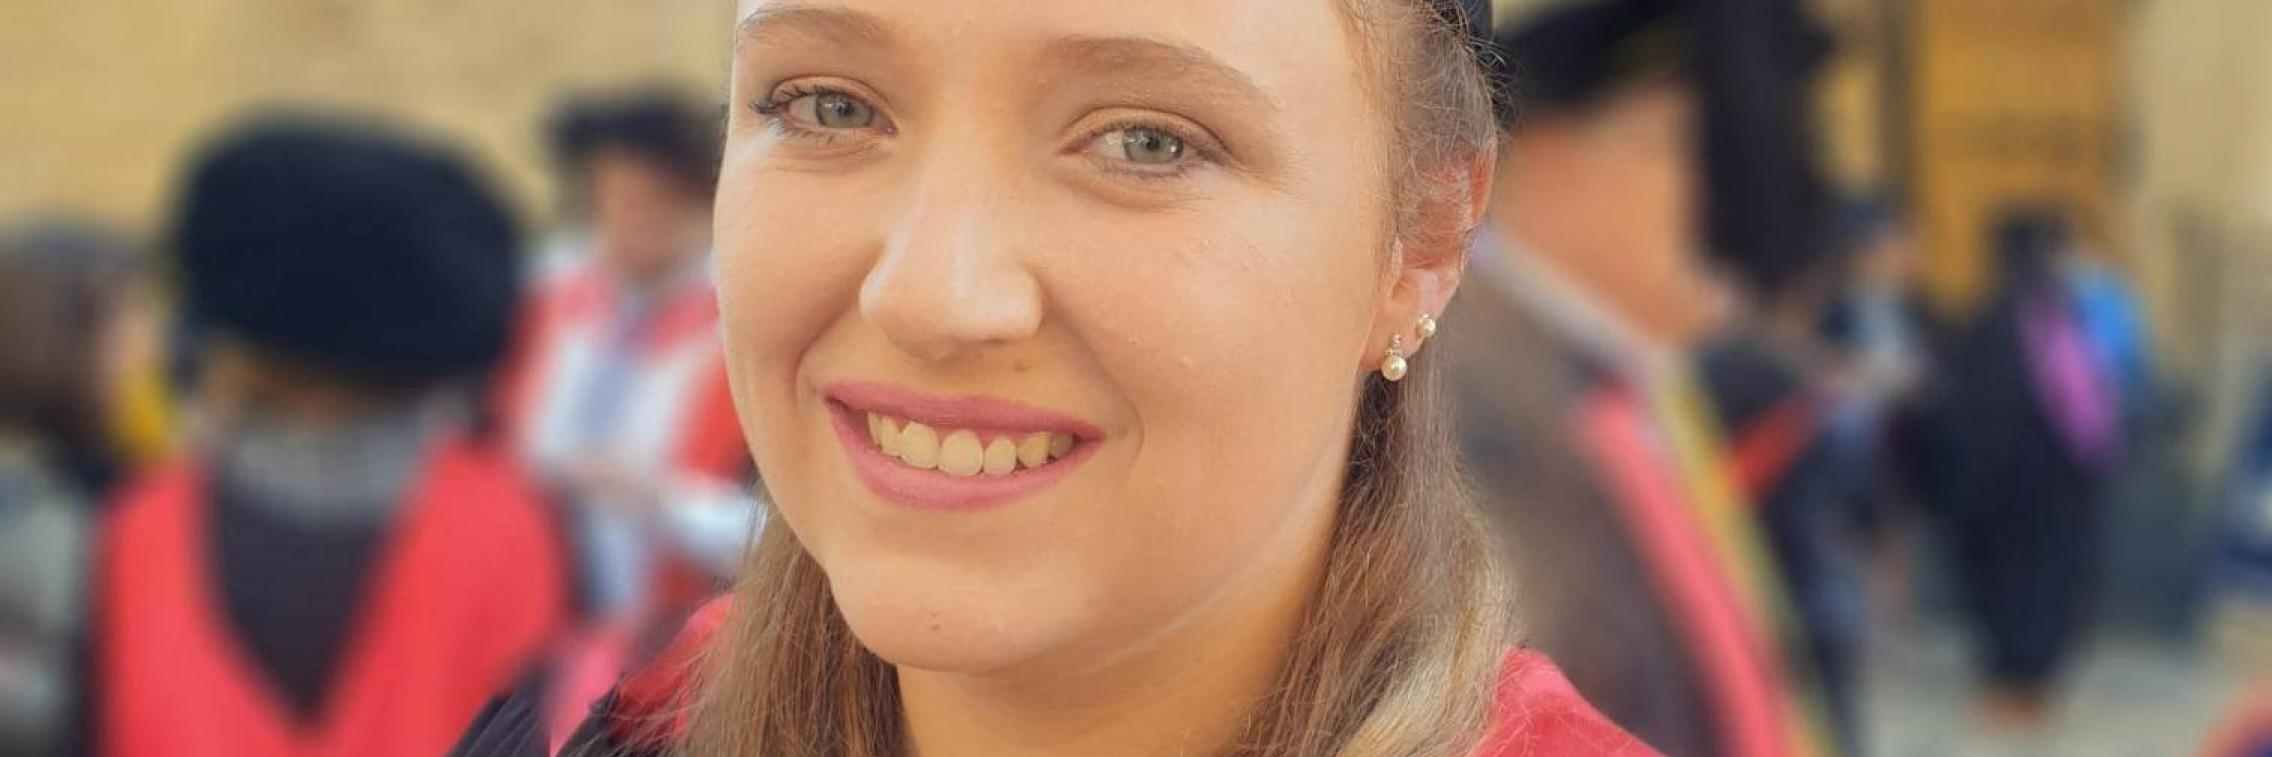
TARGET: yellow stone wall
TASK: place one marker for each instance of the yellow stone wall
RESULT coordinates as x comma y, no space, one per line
100,98
2010,101
2198,197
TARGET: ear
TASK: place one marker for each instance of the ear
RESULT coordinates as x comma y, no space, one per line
1430,256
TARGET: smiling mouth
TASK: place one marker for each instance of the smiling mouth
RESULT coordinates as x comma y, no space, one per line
954,453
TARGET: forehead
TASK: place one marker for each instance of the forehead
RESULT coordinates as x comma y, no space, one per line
1288,49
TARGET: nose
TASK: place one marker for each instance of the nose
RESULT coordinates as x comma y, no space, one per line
950,281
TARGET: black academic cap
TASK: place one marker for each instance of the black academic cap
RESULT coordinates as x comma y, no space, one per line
1575,55
353,247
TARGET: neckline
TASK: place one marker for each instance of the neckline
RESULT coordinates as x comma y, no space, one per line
357,652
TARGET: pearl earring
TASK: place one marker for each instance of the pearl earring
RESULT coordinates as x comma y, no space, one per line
1394,367
1427,327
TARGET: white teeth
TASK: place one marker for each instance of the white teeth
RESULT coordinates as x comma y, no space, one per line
1001,457
1034,450
887,435
919,446
960,454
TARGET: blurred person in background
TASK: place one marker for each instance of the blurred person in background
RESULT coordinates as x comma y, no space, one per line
75,334
1589,441
2029,430
1773,390
2239,583
1881,346
342,562
83,336
618,394
2113,320
1874,320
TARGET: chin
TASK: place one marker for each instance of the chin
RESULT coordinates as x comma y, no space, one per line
928,618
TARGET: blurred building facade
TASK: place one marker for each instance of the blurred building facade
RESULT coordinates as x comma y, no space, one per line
103,97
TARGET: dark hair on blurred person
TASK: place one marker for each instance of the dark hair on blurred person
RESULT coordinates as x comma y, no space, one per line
360,256
62,282
2028,239
1573,57
1856,222
674,131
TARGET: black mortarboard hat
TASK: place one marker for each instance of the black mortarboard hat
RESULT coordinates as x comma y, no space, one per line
347,246
1574,55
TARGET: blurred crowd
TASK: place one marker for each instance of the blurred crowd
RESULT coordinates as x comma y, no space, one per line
340,455
339,451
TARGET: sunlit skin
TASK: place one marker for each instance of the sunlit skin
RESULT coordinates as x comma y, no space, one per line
1166,220
1608,196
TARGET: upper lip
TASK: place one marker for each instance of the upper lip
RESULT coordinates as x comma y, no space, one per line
970,411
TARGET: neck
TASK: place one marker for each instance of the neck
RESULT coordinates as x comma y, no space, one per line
1189,690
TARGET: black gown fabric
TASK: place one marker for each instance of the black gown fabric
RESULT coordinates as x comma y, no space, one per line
2022,512
514,726
292,590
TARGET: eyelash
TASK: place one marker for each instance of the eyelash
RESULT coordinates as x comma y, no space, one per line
769,108
1200,151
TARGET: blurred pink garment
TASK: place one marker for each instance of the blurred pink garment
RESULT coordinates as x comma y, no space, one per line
1540,714
2068,378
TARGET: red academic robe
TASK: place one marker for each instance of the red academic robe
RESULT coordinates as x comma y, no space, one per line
1537,712
467,587
677,424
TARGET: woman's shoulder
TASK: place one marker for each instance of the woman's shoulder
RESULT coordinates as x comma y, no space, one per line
636,718
1540,713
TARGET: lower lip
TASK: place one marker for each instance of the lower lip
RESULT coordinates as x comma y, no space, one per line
899,483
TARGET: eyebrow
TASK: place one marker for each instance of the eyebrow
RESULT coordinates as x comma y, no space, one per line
1157,60
838,25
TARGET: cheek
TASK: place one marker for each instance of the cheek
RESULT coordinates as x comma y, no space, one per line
785,276
1233,336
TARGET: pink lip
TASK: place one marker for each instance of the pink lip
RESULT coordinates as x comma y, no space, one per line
892,480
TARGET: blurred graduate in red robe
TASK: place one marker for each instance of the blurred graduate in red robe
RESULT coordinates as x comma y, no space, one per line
343,562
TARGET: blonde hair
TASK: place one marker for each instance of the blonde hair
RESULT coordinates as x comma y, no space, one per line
1399,652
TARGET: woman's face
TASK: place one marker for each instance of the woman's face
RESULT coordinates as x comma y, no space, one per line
1046,320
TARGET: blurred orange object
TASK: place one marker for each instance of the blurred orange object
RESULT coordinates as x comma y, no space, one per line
2247,731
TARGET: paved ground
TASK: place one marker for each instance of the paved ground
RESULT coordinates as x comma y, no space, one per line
2131,696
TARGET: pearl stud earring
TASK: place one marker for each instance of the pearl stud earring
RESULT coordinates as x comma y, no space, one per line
1427,327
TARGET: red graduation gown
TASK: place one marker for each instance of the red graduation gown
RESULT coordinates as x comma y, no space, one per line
1537,713
466,587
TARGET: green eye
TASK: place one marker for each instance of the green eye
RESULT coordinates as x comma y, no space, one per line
836,110
1148,146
